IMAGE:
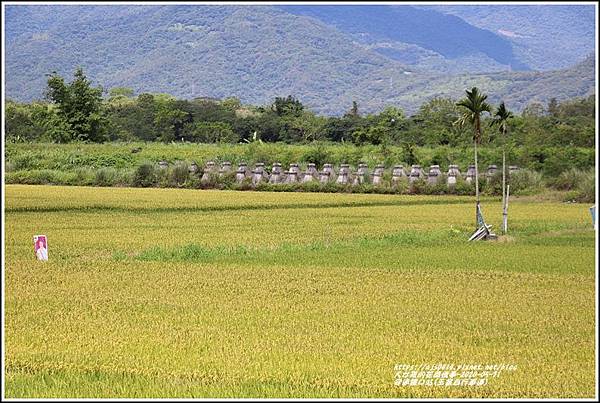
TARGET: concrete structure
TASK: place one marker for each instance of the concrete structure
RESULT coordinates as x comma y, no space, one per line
416,173
292,174
209,170
242,172
258,174
377,175
435,175
453,175
225,168
491,171
343,175
398,174
327,174
470,176
362,173
277,175
310,174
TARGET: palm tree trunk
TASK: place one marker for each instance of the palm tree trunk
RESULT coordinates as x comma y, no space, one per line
504,210
476,188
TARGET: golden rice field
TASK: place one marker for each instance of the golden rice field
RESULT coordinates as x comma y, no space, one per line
191,293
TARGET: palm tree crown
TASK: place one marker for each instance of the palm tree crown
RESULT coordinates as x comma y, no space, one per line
475,105
501,118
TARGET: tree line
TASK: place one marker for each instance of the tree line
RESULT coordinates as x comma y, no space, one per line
77,111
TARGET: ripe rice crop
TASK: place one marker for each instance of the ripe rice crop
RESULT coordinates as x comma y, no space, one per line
198,293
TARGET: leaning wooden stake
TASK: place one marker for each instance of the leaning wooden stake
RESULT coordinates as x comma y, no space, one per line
505,212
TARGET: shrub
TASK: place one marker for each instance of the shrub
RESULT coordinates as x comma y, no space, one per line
417,187
40,177
145,175
400,187
439,188
312,186
215,181
525,181
493,185
318,155
84,177
124,177
462,188
179,174
26,160
105,177
585,191
570,179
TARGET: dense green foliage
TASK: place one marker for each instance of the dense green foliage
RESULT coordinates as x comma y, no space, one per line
78,109
78,114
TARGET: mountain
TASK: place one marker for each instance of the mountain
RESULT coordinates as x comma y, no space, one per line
254,53
259,52
544,37
423,38
517,89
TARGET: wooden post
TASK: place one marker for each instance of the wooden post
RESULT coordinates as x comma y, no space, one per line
505,212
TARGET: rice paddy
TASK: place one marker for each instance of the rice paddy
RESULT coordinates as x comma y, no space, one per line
202,293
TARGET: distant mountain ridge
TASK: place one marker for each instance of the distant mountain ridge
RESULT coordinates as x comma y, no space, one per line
257,53
545,37
444,34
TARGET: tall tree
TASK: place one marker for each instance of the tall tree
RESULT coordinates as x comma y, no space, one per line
475,105
79,105
287,106
354,110
500,119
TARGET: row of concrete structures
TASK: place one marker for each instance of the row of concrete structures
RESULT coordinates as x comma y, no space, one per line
343,176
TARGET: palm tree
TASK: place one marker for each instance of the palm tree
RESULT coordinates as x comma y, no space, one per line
475,105
501,120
